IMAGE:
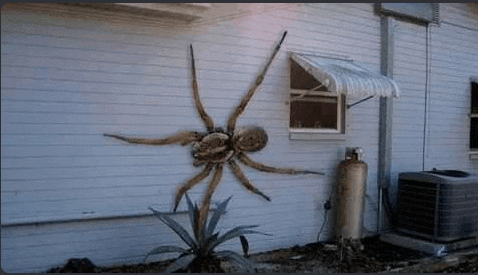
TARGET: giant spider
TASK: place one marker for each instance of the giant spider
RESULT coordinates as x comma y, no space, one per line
216,147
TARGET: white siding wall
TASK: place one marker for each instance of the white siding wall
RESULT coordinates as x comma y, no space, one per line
409,69
454,60
67,80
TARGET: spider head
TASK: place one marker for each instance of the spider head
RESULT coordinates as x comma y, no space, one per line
250,139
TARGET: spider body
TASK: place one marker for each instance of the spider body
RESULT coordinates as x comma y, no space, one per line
217,147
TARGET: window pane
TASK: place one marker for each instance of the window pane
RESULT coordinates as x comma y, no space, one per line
302,80
474,133
316,113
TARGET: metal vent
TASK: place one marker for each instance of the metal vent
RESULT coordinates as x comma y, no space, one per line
436,13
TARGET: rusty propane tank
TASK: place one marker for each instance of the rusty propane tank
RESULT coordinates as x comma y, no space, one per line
349,196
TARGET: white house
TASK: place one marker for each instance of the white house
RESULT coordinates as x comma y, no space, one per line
73,72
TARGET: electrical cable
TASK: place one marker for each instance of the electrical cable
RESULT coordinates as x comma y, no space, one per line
327,207
458,26
322,227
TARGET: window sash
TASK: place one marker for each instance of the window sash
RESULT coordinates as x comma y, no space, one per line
294,93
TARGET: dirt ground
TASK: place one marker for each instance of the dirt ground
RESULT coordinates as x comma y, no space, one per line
372,256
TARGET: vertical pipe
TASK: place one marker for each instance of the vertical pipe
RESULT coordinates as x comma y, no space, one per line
425,118
385,115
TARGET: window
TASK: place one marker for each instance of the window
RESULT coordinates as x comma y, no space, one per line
313,109
318,87
474,117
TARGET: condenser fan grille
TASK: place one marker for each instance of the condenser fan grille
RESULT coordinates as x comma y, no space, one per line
437,206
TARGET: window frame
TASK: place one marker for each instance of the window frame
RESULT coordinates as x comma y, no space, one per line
322,134
318,134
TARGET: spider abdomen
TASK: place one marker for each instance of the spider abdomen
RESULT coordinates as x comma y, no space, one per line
250,139
215,147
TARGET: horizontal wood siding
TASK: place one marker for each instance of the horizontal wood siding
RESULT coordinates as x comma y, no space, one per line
66,81
409,70
69,75
454,60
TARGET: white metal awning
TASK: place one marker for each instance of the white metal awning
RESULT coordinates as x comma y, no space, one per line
346,77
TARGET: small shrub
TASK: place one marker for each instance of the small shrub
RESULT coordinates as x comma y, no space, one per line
201,255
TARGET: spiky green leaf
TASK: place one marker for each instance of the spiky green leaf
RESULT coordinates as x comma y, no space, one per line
231,255
176,227
181,262
220,210
193,214
209,242
223,239
165,249
244,244
233,233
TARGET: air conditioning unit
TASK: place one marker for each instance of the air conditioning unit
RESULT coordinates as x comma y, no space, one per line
438,205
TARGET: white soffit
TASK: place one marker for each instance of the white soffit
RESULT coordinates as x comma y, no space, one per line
346,77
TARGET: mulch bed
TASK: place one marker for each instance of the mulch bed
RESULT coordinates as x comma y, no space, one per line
372,255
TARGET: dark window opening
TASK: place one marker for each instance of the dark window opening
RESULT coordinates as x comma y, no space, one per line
474,98
300,79
312,106
315,112
474,117
474,133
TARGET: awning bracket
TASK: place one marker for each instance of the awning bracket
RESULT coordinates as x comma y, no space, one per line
306,92
360,101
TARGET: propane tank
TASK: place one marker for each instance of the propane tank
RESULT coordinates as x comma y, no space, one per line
349,196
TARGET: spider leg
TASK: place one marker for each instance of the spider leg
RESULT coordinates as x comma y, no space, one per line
231,123
190,183
182,138
197,101
265,168
203,210
236,170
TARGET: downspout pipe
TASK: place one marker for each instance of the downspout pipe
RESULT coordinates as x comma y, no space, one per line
427,80
387,25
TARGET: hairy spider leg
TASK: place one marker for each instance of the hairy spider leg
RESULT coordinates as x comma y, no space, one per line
265,168
197,101
203,210
190,183
236,170
231,123
183,138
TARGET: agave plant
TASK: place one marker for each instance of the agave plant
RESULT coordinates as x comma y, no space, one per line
201,255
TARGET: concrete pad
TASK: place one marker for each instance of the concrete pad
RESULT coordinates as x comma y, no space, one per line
437,249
